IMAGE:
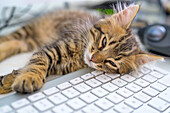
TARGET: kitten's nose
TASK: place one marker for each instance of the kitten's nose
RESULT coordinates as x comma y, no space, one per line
97,57
92,58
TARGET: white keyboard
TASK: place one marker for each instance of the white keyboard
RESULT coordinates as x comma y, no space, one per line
97,92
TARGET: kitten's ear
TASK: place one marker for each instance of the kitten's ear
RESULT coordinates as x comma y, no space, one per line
143,58
126,16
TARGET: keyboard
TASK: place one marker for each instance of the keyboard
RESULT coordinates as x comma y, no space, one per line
98,92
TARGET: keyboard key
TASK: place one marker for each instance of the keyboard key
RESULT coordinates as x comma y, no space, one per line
110,87
136,75
20,103
134,103
119,82
113,76
78,112
48,112
76,81
103,78
150,91
64,85
141,83
167,111
5,109
88,97
115,98
123,108
149,78
100,92
144,70
142,97
82,87
76,103
36,96
97,72
92,109
158,86
57,98
51,91
133,87
165,95
93,83
70,93
156,74
87,76
128,78
161,71
124,92
111,111
145,109
27,109
43,105
165,81
62,109
159,104
104,104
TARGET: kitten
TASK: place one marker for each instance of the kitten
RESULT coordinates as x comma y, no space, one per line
69,41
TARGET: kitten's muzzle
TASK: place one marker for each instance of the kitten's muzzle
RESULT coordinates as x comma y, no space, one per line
97,57
92,59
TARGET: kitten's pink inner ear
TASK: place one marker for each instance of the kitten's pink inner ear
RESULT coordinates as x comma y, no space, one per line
126,16
141,59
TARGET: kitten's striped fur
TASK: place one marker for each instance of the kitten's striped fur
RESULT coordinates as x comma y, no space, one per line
68,41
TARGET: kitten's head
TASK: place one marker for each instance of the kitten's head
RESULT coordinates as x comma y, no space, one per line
112,48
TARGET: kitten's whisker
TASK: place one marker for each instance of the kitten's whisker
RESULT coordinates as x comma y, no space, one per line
120,5
114,9
124,5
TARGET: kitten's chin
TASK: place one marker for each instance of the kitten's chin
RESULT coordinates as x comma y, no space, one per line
88,62
87,57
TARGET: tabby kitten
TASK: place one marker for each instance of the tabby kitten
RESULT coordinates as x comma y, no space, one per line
69,41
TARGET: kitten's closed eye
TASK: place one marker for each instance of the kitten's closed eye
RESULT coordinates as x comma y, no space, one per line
110,62
113,42
118,58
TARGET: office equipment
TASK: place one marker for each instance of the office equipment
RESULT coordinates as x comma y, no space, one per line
156,37
97,92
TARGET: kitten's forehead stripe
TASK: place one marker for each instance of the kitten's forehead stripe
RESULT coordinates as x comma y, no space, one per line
129,47
93,35
125,37
113,42
99,29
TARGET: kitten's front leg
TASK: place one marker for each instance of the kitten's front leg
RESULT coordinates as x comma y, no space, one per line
58,58
33,76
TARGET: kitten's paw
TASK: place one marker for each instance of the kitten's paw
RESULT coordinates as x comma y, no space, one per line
27,83
5,90
6,82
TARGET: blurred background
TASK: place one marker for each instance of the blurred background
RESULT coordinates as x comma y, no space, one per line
15,13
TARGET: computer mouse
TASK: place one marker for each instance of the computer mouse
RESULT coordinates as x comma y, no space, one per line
156,38
156,33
